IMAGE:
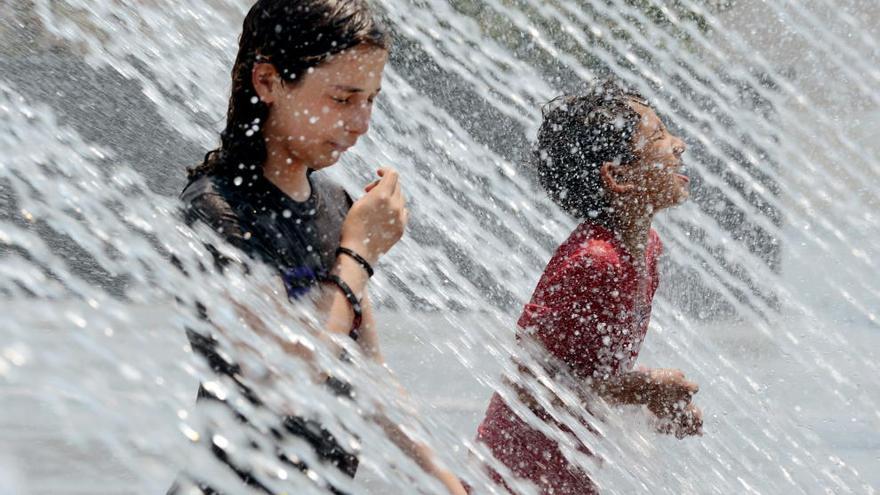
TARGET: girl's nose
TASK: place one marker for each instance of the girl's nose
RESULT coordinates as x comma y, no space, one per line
359,122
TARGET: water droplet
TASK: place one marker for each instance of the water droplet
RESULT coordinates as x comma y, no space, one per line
188,432
220,441
17,354
130,373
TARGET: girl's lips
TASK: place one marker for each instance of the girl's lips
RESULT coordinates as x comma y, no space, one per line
683,177
338,147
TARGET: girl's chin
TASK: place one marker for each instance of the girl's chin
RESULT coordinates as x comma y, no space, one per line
324,161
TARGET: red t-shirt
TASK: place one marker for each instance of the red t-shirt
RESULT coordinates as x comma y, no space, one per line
591,311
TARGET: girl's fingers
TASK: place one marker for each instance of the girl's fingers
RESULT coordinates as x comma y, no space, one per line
371,186
389,177
383,186
397,192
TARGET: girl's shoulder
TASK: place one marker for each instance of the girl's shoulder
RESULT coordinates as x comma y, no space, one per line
204,187
210,199
330,191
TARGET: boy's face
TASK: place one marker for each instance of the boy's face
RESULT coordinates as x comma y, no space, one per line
656,173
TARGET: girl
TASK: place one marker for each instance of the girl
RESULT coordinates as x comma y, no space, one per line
605,157
303,86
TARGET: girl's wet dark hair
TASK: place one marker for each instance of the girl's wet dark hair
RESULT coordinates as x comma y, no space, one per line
292,35
578,134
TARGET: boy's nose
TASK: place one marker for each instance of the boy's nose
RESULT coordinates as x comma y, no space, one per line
679,147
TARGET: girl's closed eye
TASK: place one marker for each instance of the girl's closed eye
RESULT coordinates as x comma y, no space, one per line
341,101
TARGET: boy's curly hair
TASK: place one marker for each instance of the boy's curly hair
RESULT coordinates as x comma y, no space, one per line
579,133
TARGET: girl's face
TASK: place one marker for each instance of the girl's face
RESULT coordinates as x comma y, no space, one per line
656,173
321,116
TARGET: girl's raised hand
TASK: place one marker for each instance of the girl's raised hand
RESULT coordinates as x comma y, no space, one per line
377,220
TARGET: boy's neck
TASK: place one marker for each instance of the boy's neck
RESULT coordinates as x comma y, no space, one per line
288,174
633,230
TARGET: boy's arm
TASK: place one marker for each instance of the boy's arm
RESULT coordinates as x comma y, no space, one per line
660,386
666,393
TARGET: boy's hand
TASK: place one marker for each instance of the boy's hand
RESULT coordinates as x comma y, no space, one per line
668,391
683,423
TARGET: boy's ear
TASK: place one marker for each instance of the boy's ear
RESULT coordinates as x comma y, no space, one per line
265,79
610,181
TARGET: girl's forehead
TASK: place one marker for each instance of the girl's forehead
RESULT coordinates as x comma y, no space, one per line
357,59
354,67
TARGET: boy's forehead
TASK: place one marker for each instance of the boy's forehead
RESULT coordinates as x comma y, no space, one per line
648,116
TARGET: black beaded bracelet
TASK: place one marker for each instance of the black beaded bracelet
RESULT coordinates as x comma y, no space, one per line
360,259
352,300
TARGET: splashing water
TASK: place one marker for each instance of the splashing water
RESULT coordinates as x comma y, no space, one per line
770,302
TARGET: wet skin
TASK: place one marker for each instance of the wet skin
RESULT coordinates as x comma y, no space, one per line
313,120
654,180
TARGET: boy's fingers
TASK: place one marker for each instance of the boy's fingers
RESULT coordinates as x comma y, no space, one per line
685,387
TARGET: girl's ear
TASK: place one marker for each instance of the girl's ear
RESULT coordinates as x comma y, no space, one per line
265,79
610,182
